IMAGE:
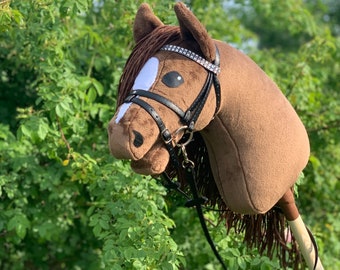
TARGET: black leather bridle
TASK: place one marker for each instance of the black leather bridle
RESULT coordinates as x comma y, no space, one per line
190,116
188,119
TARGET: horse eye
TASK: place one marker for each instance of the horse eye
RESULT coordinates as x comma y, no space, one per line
172,79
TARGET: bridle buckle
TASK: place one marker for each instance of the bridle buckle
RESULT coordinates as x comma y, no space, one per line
166,136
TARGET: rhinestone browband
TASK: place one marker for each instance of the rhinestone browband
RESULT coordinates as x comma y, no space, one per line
193,56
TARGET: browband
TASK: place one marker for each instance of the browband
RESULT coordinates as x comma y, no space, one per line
193,56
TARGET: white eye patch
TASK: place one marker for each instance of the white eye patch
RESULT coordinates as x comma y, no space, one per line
147,75
144,80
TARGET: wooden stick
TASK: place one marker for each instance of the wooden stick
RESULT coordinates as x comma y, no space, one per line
299,230
306,245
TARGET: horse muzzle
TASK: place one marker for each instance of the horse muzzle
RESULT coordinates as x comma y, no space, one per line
132,144
132,135
119,141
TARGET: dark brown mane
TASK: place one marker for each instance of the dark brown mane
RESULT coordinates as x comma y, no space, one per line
144,49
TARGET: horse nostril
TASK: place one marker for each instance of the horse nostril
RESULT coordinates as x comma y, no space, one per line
138,141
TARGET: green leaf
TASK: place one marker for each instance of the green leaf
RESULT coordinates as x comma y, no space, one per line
66,105
241,263
20,224
25,130
97,230
42,129
99,87
104,224
315,162
59,110
85,83
91,95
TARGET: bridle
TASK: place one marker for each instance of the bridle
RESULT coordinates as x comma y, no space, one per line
188,119
190,116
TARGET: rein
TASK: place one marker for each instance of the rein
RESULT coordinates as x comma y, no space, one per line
188,119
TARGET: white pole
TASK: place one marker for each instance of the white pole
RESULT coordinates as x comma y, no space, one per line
305,243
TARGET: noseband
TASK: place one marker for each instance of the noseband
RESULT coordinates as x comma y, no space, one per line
190,116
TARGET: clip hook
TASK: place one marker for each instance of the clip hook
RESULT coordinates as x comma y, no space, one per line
186,163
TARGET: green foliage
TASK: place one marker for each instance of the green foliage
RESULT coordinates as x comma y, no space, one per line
128,216
230,246
66,204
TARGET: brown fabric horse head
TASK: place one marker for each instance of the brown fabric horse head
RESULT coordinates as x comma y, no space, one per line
249,144
256,143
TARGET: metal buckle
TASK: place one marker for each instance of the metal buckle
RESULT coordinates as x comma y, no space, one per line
166,136
185,130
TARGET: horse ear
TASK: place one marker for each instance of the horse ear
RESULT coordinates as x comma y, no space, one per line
145,22
192,29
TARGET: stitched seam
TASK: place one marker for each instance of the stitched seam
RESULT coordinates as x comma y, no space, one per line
240,162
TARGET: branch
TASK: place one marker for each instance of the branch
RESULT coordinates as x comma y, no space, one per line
63,136
330,125
292,85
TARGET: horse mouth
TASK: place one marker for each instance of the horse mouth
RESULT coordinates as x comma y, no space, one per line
154,162
125,143
147,158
